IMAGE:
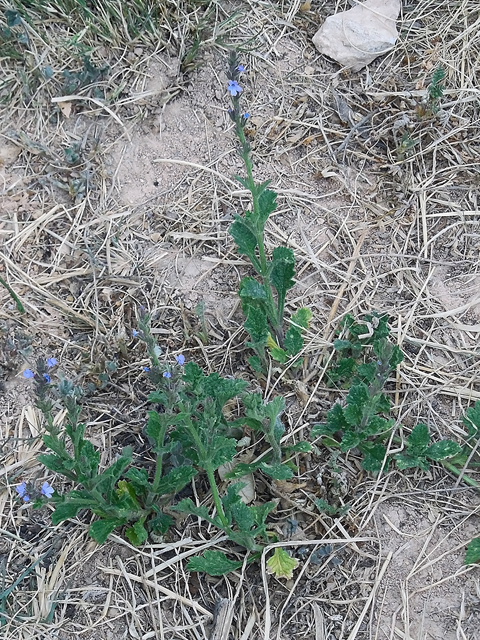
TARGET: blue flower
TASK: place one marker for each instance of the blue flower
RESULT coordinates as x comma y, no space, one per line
46,490
51,362
234,88
180,359
47,378
246,116
146,368
167,374
22,491
28,373
135,333
240,68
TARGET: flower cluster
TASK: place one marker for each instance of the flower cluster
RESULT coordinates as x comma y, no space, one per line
234,89
25,492
51,362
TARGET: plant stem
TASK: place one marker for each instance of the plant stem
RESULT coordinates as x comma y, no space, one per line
216,497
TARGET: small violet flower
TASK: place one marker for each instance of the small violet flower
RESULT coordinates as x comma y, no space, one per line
180,359
135,333
167,374
46,490
51,362
22,491
234,88
47,378
240,68
246,116
146,369
28,373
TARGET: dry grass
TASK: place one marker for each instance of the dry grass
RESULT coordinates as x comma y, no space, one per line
374,225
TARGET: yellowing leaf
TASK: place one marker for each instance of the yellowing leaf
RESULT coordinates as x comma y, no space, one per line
271,344
281,565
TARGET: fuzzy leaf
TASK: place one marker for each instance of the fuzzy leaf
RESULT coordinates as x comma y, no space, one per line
255,363
278,354
175,480
244,238
137,534
472,420
138,479
160,524
418,440
256,325
215,563
283,271
405,461
266,205
350,440
276,471
443,449
251,291
473,552
281,564
357,400
101,529
341,345
302,317
66,510
373,457
293,341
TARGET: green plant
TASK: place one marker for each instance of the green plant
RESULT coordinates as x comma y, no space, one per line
189,433
419,450
263,299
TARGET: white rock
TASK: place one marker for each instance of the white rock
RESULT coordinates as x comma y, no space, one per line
356,37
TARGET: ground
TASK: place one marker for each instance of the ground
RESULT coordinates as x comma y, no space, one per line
106,208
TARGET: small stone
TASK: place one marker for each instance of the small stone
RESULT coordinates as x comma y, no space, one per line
138,51
155,237
356,37
309,71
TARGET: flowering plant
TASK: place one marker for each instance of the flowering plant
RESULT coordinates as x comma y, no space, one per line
263,300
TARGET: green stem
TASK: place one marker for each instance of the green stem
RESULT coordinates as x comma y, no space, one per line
216,497
20,306
274,317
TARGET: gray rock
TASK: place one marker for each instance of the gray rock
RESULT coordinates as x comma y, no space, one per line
356,37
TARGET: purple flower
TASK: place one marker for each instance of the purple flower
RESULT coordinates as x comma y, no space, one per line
146,368
180,359
234,88
51,362
167,374
22,491
246,116
28,373
47,378
135,333
46,490
240,68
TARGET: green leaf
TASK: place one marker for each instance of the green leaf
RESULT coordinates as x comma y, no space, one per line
335,420
160,524
281,564
187,506
175,480
302,317
293,341
366,372
299,447
373,457
65,511
255,363
101,529
324,507
473,552
357,401
418,440
443,449
377,425
350,440
244,239
105,483
343,370
266,204
282,271
276,471
396,358
13,18
405,461
138,479
137,534
341,345
156,429
256,325
251,291
215,563
472,420
55,463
